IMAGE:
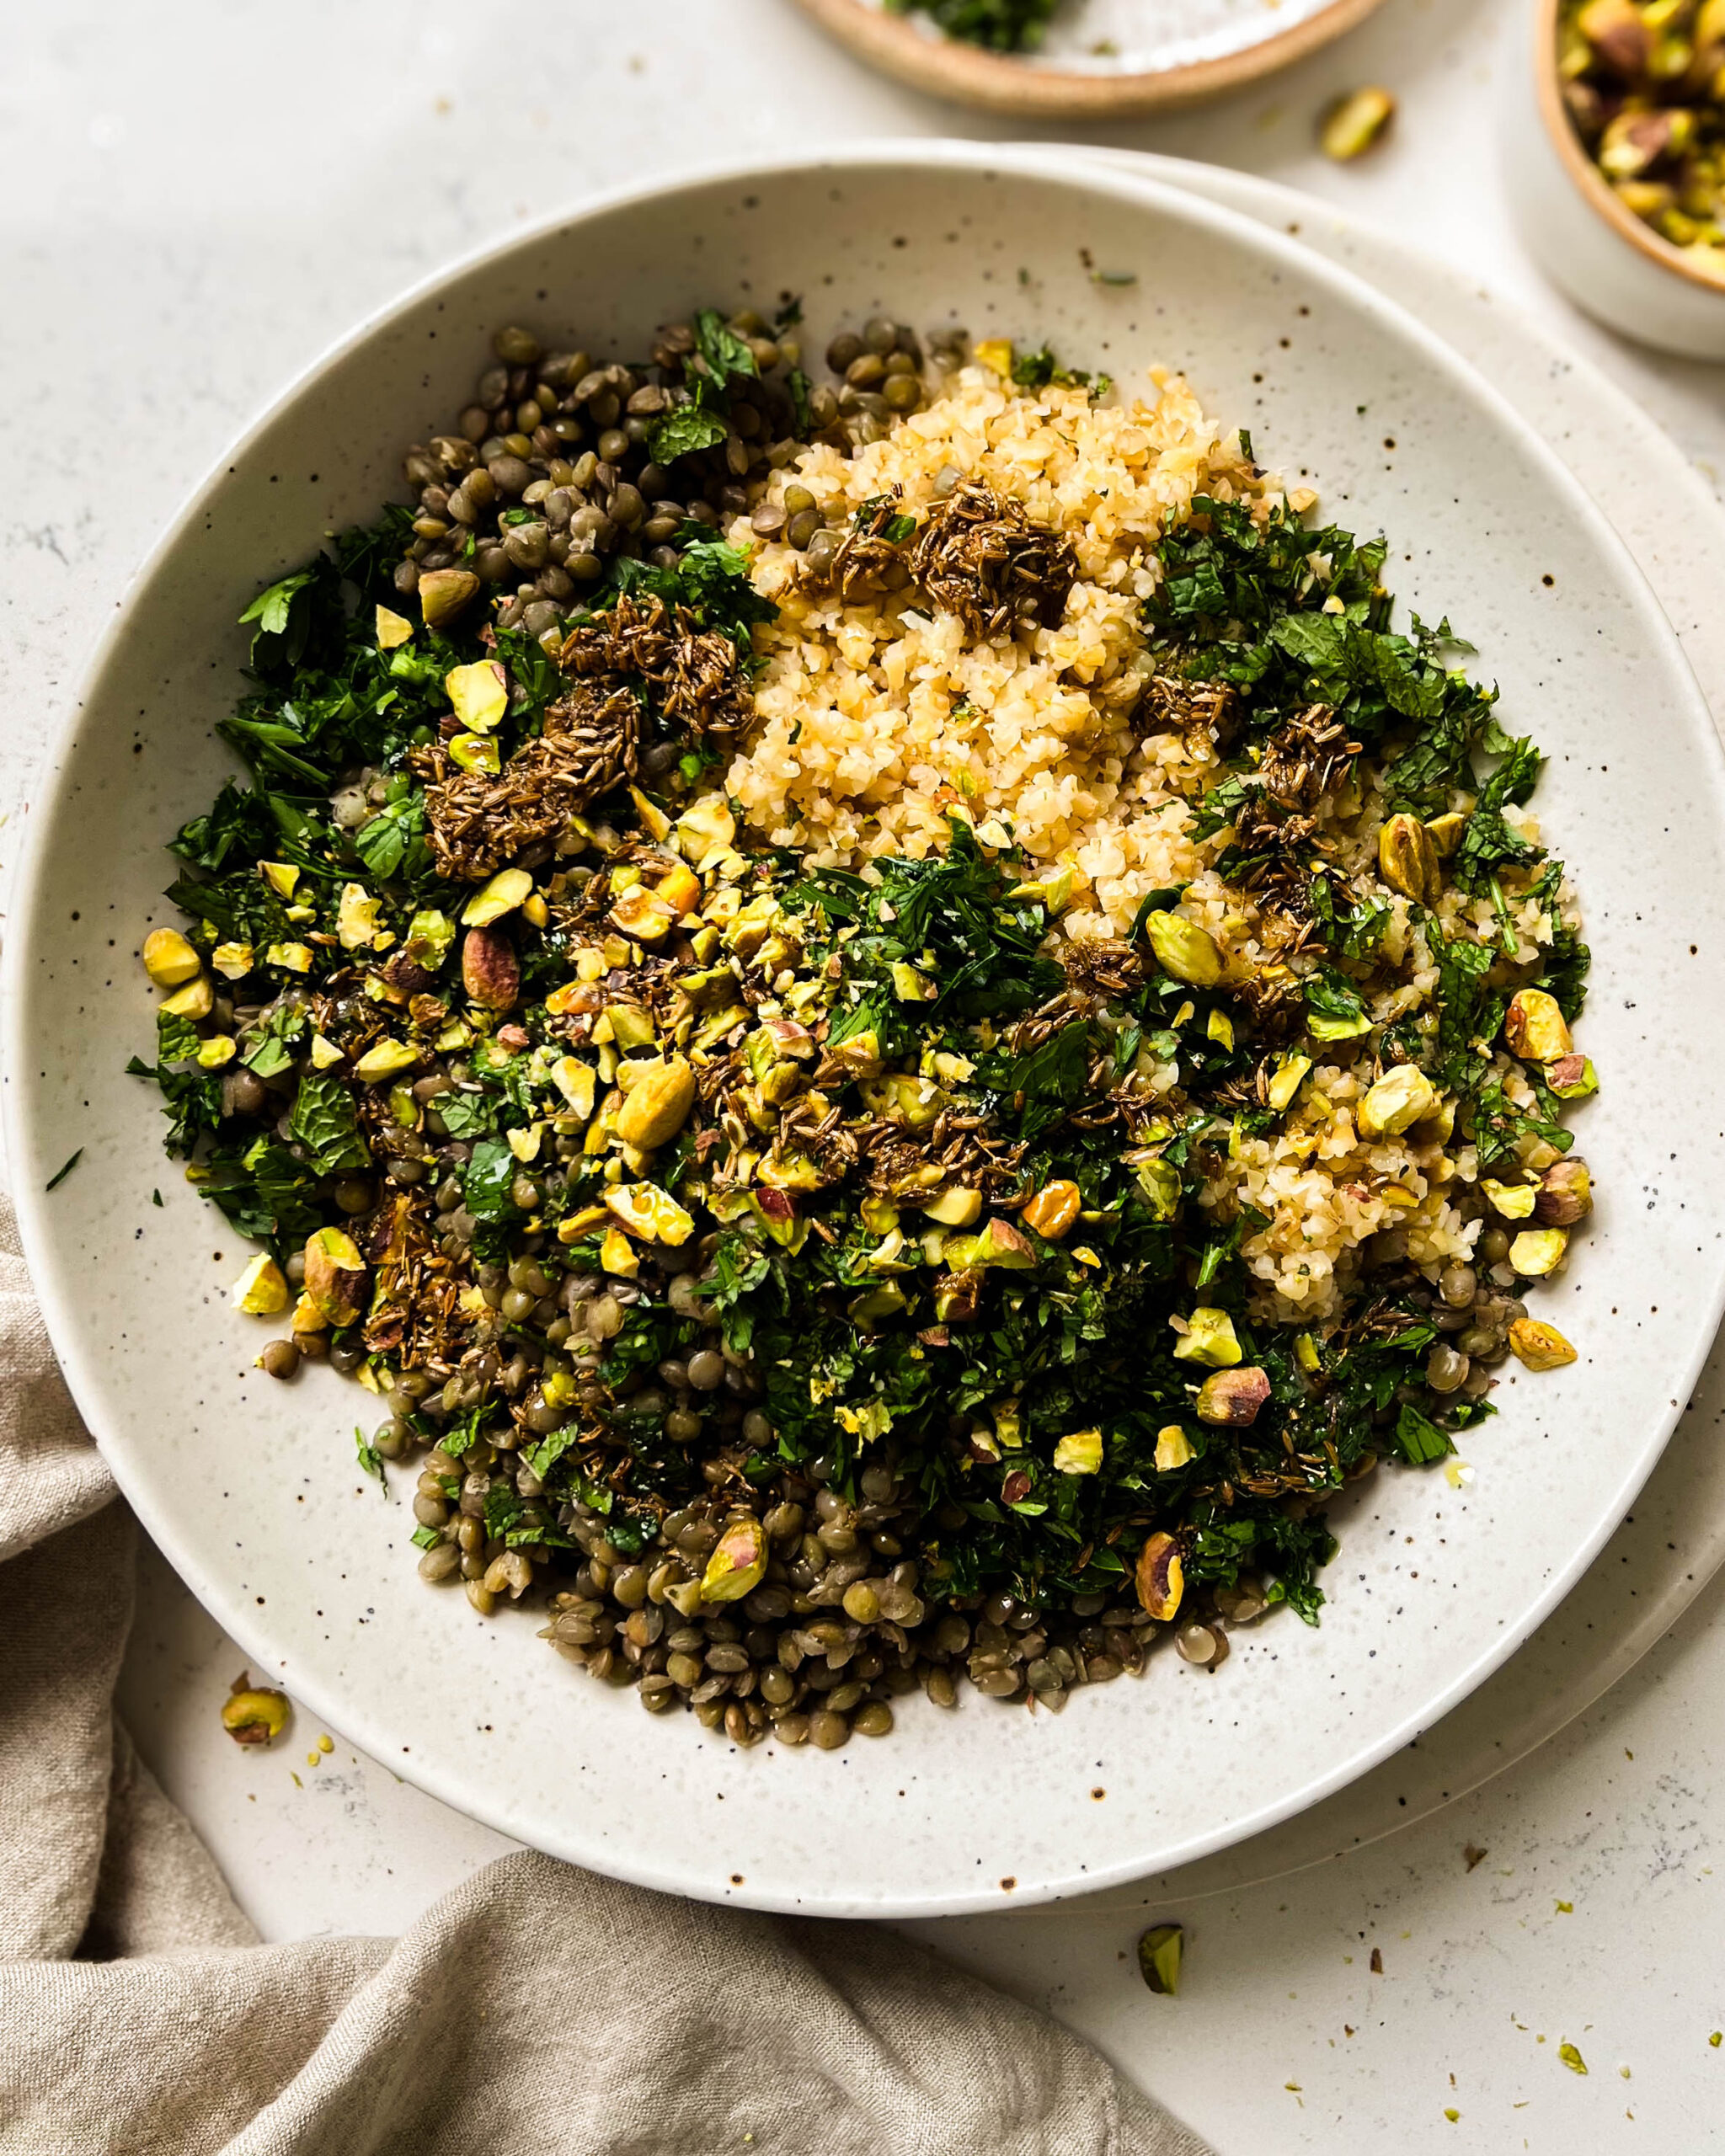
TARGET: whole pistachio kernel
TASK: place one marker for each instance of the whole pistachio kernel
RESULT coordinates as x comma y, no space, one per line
1232,1398
1183,949
1354,123
335,1275
1159,1958
1536,1251
738,1562
658,1104
1407,860
1540,1346
1401,1098
1565,1195
1160,1577
1052,1211
1534,1028
443,592
255,1714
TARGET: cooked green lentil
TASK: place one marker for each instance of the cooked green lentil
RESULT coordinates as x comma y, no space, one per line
827,1243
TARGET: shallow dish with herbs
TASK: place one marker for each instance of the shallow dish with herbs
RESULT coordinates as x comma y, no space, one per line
886,1013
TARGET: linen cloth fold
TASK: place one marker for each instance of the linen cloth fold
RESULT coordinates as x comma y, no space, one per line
535,2007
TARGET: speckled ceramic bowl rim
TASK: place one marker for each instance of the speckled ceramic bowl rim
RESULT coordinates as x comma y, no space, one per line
1600,197
668,1872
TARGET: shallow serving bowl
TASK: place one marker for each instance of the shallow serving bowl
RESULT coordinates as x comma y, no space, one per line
250,1486
1605,258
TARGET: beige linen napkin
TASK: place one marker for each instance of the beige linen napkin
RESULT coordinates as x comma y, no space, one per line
536,2008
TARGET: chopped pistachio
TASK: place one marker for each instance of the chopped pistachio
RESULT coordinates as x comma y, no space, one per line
324,1053
1515,1201
501,895
1571,1077
217,1050
475,752
651,1213
1080,1452
910,986
281,875
1208,1337
478,694
384,1059
996,1244
391,628
168,959
1536,1251
195,1000
642,914
232,960
261,1290
1219,1027
1173,1449
1159,1958
430,936
1290,1075
706,827
357,922
617,1254
1306,1353
995,352
292,958
954,1207
1444,833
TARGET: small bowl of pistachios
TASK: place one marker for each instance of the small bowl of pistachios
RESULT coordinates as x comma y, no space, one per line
1615,153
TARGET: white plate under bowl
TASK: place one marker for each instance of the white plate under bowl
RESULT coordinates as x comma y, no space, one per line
249,1487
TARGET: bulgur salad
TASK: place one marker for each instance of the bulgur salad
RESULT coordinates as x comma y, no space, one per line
885,1015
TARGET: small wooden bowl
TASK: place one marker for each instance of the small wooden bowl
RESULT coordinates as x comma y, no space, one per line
1033,88
1619,268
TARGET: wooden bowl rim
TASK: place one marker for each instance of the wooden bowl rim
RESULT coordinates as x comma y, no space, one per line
1030,89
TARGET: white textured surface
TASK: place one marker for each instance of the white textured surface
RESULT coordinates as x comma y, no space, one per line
195,199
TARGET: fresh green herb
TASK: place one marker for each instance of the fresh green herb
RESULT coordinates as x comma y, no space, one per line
55,1181
996,25
324,1121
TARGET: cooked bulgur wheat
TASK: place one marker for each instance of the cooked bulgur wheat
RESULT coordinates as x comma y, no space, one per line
877,722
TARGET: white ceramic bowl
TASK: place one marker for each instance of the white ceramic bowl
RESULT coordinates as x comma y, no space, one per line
250,1487
1604,257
